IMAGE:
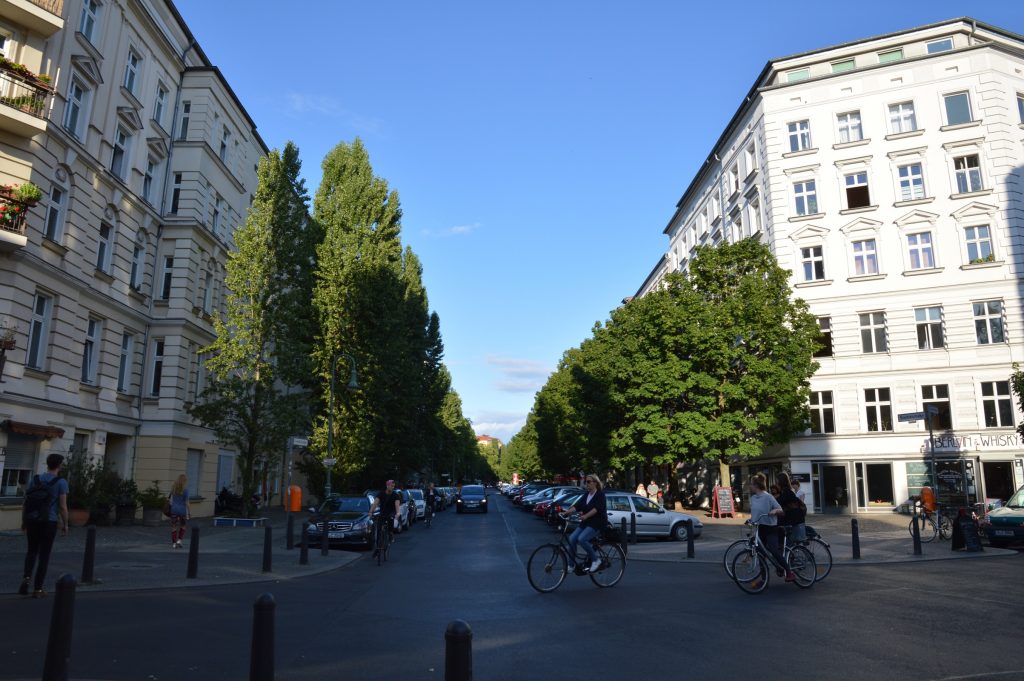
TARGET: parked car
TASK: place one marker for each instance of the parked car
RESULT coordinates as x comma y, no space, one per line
560,505
545,497
472,498
348,521
1005,525
651,519
421,505
410,507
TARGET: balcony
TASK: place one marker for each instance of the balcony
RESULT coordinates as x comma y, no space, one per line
39,16
12,222
24,99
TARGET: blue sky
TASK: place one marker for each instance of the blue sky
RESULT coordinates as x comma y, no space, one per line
538,147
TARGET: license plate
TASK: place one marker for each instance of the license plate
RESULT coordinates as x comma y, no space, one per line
1003,533
335,535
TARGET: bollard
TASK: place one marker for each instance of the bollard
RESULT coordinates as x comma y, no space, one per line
268,548
916,533
89,561
632,528
304,545
193,554
855,534
261,658
58,646
289,542
325,544
689,538
458,652
624,536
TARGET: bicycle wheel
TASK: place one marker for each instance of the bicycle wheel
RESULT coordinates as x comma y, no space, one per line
801,562
945,527
750,572
822,557
927,528
734,550
389,539
613,566
547,568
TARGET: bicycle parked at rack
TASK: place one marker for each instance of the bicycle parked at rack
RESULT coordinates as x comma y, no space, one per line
383,538
549,563
928,526
815,543
752,567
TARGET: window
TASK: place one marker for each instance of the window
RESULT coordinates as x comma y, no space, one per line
920,252
131,71
157,373
74,109
104,247
996,404
176,193
124,365
911,182
849,127
147,180
879,490
872,332
958,108
824,337
968,173
944,45
988,322
843,66
857,194
753,217
90,351
823,418
865,257
160,105
118,160
937,397
734,179
200,383
918,475
55,214
813,262
194,470
878,409
798,75
799,136
750,153
806,195
890,56
979,244
89,21
716,206
225,141
929,328
39,331
166,277
619,503
643,505
217,207
186,113
138,264
207,298
1020,107
902,117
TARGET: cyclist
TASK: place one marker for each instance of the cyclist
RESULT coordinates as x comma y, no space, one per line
765,511
795,511
390,503
430,499
593,512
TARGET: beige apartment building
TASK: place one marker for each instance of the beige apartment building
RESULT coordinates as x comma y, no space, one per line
109,283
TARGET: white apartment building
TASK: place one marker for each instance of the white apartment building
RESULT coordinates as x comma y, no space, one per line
147,161
887,175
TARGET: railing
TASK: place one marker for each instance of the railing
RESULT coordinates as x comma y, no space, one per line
23,94
12,215
51,6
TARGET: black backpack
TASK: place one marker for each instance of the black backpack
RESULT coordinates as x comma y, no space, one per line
38,499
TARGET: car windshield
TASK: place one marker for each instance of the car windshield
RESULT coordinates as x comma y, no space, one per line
346,505
1017,500
473,490
417,494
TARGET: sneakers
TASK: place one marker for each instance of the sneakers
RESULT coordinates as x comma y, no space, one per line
38,593
594,567
23,589
176,545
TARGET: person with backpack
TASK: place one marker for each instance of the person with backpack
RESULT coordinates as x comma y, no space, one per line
44,512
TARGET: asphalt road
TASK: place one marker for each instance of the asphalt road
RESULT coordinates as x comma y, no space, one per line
941,620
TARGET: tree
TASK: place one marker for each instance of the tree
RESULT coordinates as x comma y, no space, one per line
520,455
246,404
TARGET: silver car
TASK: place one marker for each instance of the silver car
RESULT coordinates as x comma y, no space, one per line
652,520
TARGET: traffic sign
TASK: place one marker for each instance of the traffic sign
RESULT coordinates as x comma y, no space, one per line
299,441
330,462
911,417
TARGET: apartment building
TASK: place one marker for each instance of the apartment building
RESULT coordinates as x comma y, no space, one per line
886,174
146,162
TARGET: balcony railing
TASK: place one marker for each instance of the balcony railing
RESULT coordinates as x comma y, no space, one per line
51,6
12,215
23,93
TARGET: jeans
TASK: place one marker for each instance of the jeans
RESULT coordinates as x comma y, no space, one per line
769,535
40,535
581,535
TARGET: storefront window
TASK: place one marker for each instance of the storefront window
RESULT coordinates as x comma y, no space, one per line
918,476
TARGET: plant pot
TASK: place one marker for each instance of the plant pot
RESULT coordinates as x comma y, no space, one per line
152,517
8,344
78,517
125,515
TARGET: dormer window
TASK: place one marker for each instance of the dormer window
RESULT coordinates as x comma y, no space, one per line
944,45
890,56
844,65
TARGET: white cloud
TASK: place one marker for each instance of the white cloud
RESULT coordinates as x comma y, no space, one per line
502,425
517,375
305,104
455,230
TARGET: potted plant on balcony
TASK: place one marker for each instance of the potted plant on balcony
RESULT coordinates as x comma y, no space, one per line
8,336
28,193
127,502
81,475
152,500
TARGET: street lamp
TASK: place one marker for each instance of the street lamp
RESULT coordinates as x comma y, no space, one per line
353,384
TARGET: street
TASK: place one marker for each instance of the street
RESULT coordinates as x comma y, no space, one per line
937,620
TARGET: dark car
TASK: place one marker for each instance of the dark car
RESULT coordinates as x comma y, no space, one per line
348,522
1005,525
471,498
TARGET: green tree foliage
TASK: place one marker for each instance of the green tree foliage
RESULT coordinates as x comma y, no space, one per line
521,455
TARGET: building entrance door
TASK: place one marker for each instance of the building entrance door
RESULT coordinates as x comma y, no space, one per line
833,488
998,477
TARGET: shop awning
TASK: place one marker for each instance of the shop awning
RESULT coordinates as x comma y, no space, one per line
45,432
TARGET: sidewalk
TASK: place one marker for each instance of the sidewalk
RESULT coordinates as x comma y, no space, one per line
883,539
137,557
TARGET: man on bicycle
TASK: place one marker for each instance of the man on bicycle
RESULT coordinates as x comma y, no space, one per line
430,497
390,503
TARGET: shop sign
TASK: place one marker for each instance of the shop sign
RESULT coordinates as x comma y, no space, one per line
976,442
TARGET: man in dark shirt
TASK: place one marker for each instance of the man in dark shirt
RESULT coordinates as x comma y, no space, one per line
795,511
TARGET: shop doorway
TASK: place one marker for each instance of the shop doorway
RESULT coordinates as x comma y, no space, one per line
833,488
998,477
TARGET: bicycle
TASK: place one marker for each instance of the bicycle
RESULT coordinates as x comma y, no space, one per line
549,563
819,548
383,538
750,569
428,514
928,528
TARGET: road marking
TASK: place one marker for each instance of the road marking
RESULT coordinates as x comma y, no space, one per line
984,675
512,535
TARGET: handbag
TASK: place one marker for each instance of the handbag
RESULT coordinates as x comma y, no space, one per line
167,507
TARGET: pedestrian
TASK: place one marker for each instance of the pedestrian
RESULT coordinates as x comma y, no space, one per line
765,513
181,510
652,491
640,489
44,512
795,510
800,493
776,491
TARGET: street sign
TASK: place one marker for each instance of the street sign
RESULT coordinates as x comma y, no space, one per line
911,417
330,462
299,441
932,410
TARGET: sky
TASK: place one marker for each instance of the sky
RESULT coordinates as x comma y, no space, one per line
539,148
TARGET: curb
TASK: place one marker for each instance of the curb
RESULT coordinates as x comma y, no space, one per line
987,553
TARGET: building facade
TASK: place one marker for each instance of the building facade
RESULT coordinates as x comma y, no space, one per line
147,162
886,174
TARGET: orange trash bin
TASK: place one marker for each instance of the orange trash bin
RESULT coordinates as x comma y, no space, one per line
295,499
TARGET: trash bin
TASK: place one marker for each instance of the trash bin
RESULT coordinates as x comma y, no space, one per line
295,499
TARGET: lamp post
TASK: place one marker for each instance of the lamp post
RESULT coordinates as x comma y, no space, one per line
353,384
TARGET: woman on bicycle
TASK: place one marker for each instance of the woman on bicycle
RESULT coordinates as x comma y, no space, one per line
593,512
794,509
765,512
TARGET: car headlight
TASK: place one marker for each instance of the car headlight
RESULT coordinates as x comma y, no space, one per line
483,501
362,524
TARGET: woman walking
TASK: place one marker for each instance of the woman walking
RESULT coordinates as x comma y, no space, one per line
181,510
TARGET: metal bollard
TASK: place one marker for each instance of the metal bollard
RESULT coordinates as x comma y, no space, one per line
304,545
89,561
458,652
268,548
916,533
624,536
58,646
261,657
289,543
855,534
632,528
193,554
689,538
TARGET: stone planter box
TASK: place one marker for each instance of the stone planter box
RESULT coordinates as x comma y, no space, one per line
152,517
221,521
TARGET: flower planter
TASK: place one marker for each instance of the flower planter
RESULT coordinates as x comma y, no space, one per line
152,517
125,516
8,344
78,517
